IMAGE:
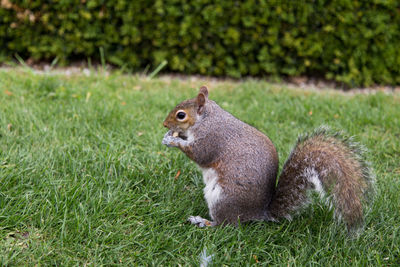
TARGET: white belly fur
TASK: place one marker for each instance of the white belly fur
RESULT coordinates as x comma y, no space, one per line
212,190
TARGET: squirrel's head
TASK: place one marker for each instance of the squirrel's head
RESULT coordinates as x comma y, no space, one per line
185,114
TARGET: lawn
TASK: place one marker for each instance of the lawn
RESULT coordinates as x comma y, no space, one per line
84,179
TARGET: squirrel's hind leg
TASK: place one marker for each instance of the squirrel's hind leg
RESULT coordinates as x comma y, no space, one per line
200,222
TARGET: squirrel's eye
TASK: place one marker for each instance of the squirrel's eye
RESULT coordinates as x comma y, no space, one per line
181,115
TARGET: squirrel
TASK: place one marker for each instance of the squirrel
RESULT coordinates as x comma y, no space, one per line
240,167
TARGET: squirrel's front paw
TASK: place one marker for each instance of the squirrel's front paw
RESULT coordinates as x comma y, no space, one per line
198,221
170,140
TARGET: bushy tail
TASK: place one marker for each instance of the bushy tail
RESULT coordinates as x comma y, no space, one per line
332,165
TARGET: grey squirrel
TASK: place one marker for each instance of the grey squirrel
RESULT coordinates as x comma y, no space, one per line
240,166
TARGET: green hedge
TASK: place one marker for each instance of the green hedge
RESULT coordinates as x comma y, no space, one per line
355,42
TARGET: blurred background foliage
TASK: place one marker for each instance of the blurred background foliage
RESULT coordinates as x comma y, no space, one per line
353,42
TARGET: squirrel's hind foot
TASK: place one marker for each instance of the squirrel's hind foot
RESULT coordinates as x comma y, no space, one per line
200,222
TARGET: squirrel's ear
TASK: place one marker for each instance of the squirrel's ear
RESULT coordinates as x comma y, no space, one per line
201,99
204,90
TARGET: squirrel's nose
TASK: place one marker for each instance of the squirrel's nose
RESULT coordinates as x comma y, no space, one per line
165,124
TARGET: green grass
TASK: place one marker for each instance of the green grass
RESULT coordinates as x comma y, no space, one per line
84,178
